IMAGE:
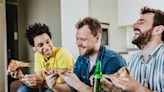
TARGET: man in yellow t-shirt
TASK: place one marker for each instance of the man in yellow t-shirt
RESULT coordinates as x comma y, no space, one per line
46,56
57,60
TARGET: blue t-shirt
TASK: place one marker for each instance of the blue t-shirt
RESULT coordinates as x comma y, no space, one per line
111,62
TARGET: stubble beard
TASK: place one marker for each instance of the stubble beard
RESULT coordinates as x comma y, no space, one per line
143,39
88,52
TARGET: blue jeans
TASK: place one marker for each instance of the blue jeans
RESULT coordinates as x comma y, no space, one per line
25,88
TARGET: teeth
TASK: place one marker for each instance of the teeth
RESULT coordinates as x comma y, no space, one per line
80,48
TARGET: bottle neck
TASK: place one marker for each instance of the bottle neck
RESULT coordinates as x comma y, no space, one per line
98,72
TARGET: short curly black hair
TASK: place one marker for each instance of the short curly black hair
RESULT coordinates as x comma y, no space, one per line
35,30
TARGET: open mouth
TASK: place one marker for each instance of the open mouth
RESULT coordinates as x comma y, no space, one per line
137,30
46,53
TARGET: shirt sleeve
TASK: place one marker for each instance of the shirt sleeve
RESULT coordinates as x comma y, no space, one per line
37,66
76,69
65,59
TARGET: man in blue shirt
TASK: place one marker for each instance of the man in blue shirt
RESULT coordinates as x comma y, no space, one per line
111,62
88,40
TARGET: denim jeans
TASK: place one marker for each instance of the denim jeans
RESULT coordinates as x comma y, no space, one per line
25,88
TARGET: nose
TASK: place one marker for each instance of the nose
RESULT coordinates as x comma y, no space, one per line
78,42
135,25
45,46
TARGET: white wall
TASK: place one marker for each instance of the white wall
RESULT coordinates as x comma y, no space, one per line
71,12
158,4
3,54
129,10
106,11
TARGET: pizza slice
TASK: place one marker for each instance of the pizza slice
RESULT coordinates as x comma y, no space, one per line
16,65
121,73
57,72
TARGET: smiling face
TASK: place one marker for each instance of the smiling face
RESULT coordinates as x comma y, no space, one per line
143,29
86,41
43,45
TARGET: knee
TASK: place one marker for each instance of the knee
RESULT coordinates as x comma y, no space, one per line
48,90
23,88
15,85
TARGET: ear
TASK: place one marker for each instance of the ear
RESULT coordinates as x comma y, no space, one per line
162,28
98,36
34,49
158,29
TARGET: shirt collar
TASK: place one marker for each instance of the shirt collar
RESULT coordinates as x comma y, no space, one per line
153,53
101,53
156,49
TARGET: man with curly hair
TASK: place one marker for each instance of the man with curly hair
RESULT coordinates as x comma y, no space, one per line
46,57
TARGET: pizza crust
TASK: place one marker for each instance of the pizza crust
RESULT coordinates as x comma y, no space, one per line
16,65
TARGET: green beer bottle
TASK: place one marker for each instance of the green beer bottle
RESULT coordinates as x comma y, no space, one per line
96,78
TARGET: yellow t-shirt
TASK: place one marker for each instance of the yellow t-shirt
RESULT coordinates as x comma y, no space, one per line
61,58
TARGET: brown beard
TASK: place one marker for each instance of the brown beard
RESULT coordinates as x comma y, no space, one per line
143,39
89,52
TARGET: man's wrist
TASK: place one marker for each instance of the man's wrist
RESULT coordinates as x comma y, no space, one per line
84,88
141,88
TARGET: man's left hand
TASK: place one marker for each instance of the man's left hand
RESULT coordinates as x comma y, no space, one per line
33,80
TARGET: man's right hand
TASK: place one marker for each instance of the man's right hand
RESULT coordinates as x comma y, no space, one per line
51,80
72,80
106,84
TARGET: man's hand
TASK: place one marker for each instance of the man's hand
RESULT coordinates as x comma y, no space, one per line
51,80
33,80
106,84
73,81
127,84
91,80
